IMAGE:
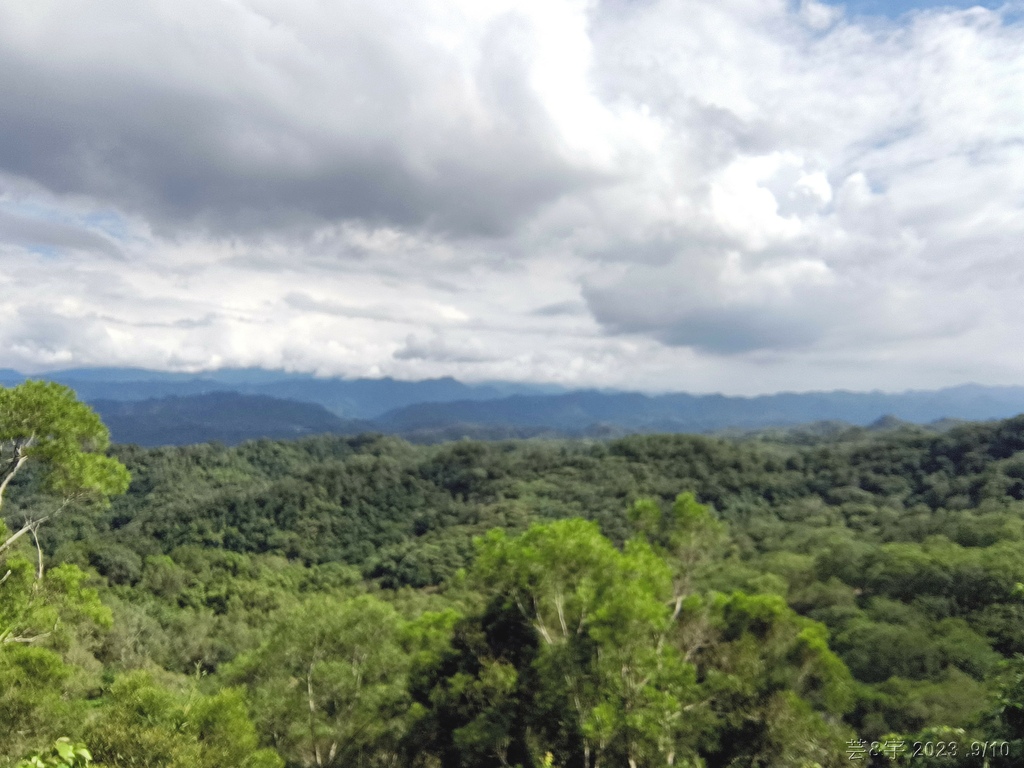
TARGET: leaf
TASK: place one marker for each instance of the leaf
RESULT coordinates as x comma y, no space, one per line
64,749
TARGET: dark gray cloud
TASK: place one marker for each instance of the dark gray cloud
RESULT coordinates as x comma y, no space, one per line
713,330
660,303
388,131
439,349
561,308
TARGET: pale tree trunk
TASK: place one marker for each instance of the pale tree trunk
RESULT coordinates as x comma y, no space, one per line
39,554
12,470
312,716
32,526
18,459
15,536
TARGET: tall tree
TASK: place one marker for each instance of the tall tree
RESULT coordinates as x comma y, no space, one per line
601,616
329,684
686,534
43,423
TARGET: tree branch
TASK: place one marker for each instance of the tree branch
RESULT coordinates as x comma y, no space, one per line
39,554
29,526
24,639
17,463
9,638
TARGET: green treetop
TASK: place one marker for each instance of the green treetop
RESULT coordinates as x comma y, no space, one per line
43,423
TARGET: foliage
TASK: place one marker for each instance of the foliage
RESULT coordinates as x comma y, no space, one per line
653,600
149,723
43,423
63,754
329,683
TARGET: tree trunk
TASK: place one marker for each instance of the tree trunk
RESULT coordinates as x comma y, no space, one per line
10,476
312,722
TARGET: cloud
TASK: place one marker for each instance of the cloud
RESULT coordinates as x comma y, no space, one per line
668,194
852,194
561,308
238,117
306,303
440,350
40,233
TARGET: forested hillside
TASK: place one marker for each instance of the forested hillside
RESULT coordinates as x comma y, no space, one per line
225,417
802,599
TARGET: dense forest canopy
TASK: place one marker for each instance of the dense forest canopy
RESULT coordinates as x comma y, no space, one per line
792,599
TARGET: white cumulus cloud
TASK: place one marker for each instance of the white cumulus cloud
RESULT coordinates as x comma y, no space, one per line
746,195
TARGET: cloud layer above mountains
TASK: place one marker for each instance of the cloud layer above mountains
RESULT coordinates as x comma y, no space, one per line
745,196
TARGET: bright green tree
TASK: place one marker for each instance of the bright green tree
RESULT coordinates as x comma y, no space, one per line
647,690
602,617
557,575
329,684
43,423
47,435
145,722
630,669
686,534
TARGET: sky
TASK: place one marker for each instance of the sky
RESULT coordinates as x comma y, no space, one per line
739,196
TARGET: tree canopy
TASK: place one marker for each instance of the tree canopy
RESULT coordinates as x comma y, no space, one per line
782,600
43,426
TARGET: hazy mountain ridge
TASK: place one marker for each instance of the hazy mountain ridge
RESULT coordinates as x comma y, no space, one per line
577,411
230,406
348,398
226,417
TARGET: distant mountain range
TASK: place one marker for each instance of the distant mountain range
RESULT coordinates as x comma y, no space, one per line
576,411
347,398
226,417
156,408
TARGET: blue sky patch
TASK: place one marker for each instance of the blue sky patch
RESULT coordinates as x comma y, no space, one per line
896,8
